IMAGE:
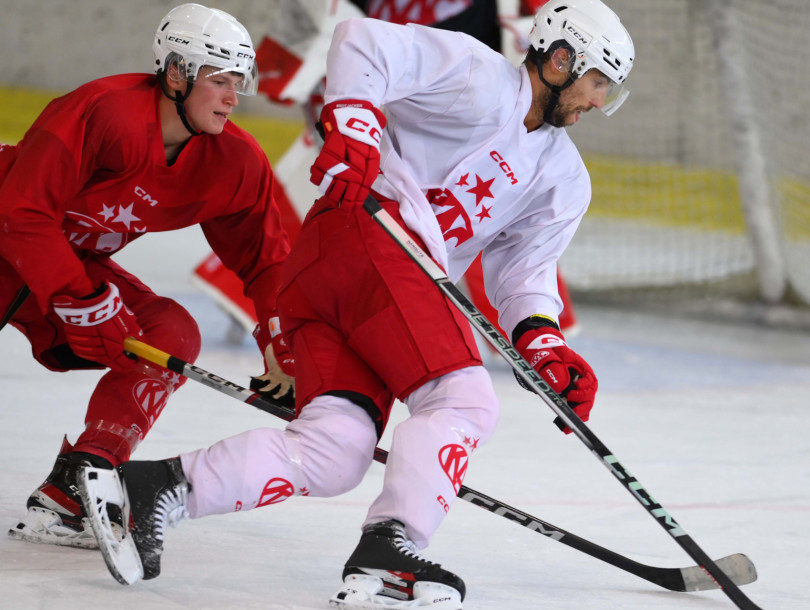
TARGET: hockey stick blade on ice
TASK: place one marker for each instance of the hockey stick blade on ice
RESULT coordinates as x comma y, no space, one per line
557,404
738,567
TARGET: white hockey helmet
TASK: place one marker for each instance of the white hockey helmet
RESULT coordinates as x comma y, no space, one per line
193,36
596,36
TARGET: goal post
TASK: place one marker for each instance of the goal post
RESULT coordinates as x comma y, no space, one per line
748,146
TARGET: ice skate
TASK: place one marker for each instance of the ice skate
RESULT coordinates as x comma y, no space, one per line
151,496
385,571
55,514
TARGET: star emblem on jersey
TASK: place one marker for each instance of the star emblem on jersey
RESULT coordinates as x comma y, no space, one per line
108,211
484,213
125,215
171,378
482,189
454,220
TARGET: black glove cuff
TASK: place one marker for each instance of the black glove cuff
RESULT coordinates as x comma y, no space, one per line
532,323
96,293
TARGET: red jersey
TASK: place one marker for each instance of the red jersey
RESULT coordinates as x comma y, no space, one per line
91,175
423,12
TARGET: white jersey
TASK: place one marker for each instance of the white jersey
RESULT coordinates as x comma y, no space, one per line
456,155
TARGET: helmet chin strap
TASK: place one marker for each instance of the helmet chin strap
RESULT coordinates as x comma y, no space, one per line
556,90
179,103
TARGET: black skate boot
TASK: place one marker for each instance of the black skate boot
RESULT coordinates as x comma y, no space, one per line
385,571
55,514
151,496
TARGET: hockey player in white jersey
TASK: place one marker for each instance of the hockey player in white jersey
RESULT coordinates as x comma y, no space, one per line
469,155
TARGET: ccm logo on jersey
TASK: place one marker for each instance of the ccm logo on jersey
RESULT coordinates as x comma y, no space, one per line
496,156
142,194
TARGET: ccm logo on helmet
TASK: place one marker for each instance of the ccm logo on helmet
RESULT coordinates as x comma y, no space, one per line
496,156
577,35
363,127
180,40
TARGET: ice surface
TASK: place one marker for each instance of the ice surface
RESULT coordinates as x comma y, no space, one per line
712,418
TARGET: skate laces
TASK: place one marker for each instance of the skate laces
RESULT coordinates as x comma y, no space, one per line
170,509
405,545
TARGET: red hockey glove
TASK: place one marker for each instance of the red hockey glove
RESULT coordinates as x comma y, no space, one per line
279,367
349,161
542,344
97,325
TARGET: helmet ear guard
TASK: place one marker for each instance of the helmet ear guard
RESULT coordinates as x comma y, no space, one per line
175,69
563,64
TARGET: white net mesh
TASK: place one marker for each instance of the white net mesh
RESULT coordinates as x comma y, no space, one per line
667,208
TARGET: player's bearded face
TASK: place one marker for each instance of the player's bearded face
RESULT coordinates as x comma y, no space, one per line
212,99
587,92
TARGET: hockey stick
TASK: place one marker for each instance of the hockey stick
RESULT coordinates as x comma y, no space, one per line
18,301
737,566
557,404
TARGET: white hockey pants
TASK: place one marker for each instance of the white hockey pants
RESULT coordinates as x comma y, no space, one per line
329,448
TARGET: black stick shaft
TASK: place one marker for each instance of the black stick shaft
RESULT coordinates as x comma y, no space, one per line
15,304
668,578
556,403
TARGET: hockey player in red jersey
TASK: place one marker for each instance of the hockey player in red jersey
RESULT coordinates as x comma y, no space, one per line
469,155
101,166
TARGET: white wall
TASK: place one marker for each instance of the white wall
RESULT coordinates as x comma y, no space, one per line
60,44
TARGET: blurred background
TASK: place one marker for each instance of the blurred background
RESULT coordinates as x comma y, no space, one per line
689,276
701,197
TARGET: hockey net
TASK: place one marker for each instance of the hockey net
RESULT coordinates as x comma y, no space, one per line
701,182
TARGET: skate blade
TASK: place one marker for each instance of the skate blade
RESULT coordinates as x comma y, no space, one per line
44,526
362,592
99,487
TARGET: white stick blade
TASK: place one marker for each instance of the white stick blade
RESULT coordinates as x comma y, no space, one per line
737,567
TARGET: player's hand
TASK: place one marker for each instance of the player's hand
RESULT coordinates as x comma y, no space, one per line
562,368
278,381
349,161
96,326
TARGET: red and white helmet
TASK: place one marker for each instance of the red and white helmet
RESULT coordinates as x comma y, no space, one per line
192,36
596,36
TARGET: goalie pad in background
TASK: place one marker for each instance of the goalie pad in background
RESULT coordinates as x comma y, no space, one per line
292,52
292,55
